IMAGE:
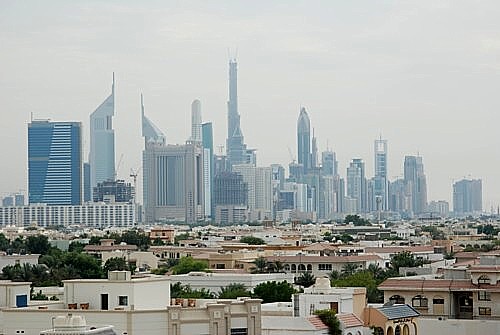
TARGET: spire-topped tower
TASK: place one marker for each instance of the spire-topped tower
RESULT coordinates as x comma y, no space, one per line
236,149
102,140
150,132
304,140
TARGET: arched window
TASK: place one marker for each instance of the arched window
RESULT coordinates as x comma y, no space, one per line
419,301
302,268
484,279
309,267
397,299
286,267
294,268
397,330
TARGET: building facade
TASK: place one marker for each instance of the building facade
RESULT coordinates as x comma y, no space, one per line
55,163
99,215
102,141
467,197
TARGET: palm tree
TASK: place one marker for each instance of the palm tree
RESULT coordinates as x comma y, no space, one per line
260,265
278,266
334,275
349,269
306,279
376,270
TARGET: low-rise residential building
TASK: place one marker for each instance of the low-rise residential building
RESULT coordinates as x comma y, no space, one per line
476,297
320,266
215,281
343,300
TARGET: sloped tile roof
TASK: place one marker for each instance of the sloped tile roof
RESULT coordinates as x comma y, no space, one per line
398,312
349,320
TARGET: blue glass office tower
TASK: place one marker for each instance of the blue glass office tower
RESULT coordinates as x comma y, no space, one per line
55,163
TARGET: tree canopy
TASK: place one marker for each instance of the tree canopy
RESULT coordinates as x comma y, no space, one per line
252,240
273,291
188,264
356,220
233,291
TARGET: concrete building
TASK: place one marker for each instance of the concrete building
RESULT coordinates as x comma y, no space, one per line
343,300
356,185
467,197
99,215
75,324
136,305
174,178
415,180
215,281
111,191
475,297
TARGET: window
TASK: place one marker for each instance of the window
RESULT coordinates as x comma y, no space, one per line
397,299
484,295
239,331
123,300
438,301
484,311
419,301
483,280
325,267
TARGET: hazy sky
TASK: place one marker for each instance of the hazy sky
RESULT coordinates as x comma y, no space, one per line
424,74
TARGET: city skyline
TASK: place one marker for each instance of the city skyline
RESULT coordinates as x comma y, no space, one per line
412,120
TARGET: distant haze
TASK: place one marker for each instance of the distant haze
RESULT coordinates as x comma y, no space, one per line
423,74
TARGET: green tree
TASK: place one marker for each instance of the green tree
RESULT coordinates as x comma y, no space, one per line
349,269
329,318
76,246
356,220
261,265
4,242
252,240
95,240
140,239
334,275
404,259
362,279
158,242
38,244
233,291
181,237
273,291
188,264
306,279
115,264
178,290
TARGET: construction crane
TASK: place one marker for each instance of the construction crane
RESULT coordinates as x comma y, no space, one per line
134,174
118,167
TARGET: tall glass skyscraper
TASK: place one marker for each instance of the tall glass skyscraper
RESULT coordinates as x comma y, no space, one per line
380,186
304,140
236,148
416,182
55,163
102,141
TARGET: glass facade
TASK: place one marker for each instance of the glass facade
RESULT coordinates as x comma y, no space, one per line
55,163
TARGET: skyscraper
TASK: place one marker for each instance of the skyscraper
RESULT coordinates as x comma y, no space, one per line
416,182
467,197
356,184
380,183
196,121
304,140
329,164
173,178
55,163
102,141
208,166
236,148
